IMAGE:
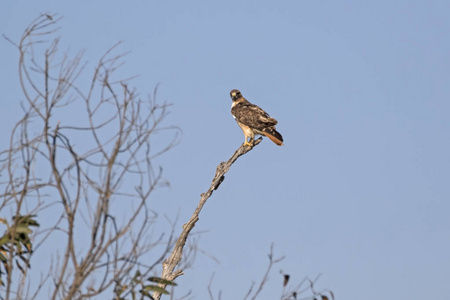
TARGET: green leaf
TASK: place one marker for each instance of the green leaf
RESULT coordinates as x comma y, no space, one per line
136,277
28,246
23,228
26,220
33,223
161,280
18,246
3,258
147,294
155,288
4,240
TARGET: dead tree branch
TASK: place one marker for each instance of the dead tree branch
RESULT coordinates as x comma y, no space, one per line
172,261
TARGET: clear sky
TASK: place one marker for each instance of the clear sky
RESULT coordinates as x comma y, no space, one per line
360,193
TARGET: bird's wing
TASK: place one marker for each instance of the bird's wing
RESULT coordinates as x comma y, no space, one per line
252,115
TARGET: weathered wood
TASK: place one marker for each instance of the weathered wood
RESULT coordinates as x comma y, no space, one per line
172,261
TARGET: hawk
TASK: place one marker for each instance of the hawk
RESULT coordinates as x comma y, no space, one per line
253,120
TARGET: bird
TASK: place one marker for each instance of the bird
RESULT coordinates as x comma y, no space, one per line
253,120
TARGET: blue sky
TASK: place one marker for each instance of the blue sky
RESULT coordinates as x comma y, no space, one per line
360,191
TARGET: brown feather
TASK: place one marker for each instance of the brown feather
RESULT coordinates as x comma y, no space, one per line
273,139
253,120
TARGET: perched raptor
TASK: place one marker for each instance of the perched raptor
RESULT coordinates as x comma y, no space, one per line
253,120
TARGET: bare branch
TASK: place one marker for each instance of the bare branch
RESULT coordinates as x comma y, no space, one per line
173,260
265,278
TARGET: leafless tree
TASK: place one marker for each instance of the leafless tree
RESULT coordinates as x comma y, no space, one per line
79,168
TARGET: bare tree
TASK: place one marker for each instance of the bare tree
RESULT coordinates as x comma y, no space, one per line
79,167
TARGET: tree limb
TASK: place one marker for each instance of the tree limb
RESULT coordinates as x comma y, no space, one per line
170,263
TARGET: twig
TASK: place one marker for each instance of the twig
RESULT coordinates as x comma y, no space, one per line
272,261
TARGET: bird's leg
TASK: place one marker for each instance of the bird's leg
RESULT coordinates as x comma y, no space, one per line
248,143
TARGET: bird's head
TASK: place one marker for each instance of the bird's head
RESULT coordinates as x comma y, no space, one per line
235,95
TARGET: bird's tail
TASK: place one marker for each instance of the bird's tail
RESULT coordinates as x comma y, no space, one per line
274,136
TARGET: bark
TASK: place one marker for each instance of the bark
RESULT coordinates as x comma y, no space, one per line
172,261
